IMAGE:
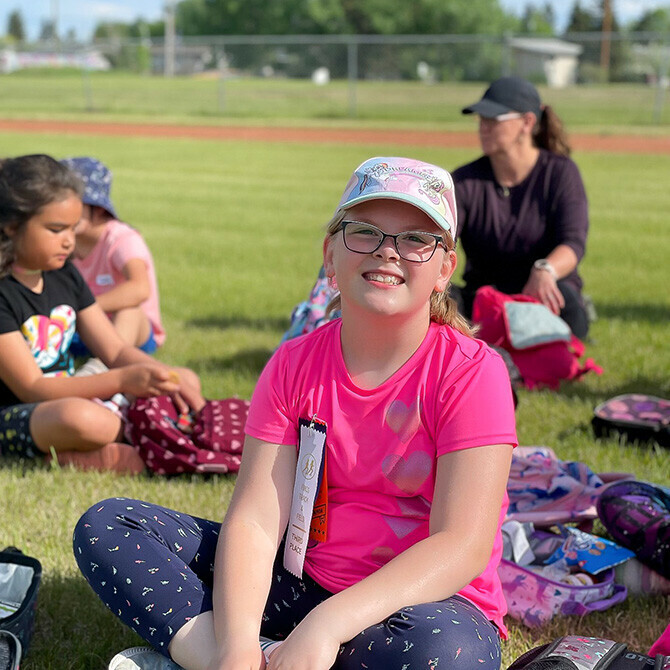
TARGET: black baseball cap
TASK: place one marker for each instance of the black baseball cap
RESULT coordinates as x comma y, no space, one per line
507,94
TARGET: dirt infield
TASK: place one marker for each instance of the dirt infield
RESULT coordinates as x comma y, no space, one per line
608,143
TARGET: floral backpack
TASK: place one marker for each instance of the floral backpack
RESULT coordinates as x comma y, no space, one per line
311,313
548,579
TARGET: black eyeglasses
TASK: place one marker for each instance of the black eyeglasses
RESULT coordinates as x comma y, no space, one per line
414,245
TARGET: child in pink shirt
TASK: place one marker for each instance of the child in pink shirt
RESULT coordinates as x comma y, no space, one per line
115,261
364,529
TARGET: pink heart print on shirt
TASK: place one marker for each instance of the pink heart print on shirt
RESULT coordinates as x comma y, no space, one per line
417,507
50,336
401,527
382,554
404,420
408,474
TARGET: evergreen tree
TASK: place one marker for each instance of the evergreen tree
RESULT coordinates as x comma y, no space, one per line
538,21
15,26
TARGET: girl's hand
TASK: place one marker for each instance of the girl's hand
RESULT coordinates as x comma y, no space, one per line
189,396
310,646
251,660
143,380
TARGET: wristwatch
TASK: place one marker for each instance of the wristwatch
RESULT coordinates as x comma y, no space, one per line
544,264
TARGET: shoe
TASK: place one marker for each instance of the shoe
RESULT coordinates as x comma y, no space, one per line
113,457
142,658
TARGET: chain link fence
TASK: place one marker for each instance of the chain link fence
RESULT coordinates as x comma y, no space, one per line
337,76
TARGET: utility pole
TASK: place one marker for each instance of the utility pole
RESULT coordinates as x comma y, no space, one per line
169,40
606,38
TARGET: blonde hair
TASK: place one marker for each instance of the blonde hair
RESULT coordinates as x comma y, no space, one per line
443,308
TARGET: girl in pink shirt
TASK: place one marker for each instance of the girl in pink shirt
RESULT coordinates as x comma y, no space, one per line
115,261
391,429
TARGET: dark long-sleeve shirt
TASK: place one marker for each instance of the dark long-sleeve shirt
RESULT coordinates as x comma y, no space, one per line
503,231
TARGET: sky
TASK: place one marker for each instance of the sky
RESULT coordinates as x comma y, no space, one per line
84,15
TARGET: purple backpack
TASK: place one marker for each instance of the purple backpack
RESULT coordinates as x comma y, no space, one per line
637,515
535,597
634,416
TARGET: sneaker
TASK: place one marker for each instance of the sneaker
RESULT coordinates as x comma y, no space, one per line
142,658
590,308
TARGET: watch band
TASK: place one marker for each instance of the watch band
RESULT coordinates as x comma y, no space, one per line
544,264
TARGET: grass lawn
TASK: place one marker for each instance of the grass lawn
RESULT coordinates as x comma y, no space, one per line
236,231
614,108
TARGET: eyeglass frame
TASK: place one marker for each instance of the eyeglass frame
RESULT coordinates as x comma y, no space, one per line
507,116
439,240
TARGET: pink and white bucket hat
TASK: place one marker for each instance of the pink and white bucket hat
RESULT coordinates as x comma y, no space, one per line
428,187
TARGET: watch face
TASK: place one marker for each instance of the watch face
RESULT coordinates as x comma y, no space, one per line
544,264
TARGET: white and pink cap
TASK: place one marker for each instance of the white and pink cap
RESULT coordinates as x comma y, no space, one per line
428,187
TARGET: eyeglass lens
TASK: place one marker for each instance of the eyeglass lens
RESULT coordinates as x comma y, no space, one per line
364,238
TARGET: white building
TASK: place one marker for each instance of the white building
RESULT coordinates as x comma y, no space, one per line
548,59
11,60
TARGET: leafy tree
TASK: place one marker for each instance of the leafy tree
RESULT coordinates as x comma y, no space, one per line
654,21
251,17
582,20
15,26
359,17
108,30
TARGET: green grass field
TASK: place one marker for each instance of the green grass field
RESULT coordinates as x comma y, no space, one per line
209,100
236,232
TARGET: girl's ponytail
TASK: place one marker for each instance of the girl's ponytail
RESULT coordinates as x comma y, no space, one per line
550,134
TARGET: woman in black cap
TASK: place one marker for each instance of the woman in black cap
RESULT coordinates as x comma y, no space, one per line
522,207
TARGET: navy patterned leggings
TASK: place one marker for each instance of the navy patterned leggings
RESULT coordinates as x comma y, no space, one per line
153,568
15,436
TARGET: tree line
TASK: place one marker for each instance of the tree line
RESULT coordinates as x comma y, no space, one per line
356,17
195,18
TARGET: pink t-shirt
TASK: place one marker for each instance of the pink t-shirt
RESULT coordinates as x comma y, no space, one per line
383,443
102,268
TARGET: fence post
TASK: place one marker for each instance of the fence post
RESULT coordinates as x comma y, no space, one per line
221,65
662,81
506,55
352,74
86,81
